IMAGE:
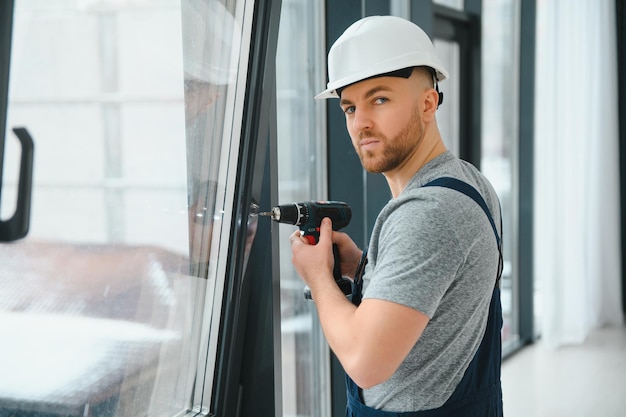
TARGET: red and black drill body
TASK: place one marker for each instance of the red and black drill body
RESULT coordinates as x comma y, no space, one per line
308,217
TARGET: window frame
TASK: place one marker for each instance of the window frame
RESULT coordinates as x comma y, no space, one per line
246,356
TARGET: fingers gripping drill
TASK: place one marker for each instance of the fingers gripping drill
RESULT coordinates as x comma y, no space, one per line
308,217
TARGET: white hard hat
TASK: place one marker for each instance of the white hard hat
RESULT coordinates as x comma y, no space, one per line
377,45
211,41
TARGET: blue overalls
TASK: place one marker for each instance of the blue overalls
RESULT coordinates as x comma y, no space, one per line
479,394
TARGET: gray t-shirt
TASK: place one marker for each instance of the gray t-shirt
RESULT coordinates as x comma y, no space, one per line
434,250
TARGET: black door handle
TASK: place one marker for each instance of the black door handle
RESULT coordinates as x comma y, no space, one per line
17,226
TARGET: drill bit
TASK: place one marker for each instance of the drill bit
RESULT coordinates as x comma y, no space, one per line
274,214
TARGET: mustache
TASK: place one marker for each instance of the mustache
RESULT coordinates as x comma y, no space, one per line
366,134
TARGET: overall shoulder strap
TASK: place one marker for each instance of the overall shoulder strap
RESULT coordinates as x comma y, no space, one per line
471,192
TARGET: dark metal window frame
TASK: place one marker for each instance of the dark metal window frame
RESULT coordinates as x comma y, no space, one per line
247,380
526,138
620,14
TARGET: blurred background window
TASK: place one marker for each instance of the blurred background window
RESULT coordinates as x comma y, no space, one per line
500,81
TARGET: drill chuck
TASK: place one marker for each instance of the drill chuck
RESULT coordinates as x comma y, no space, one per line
288,213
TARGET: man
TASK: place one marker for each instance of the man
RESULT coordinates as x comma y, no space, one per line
425,339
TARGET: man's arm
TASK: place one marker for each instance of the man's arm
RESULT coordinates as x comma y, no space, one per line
371,340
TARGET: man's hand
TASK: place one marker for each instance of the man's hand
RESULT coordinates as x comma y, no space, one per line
314,263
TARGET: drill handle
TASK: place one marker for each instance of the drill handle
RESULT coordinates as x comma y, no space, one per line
343,283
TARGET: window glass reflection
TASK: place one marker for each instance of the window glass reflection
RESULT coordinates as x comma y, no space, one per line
211,38
101,303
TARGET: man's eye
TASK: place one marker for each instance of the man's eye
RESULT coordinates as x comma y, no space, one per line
349,110
381,100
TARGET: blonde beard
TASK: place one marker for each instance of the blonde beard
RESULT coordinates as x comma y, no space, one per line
396,151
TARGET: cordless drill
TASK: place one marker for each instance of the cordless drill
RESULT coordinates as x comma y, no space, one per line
308,217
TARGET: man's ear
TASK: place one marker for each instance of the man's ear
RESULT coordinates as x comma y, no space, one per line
431,102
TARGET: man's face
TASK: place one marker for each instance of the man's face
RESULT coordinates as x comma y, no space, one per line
383,120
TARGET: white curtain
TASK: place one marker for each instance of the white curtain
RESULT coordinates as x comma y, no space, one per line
577,229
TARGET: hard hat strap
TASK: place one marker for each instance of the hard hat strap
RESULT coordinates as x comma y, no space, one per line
433,73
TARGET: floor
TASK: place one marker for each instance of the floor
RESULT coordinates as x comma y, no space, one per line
574,381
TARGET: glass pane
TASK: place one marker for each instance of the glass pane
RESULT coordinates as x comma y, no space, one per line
212,44
499,136
105,301
301,174
449,111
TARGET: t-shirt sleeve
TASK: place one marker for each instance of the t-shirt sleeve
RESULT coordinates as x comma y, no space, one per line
417,257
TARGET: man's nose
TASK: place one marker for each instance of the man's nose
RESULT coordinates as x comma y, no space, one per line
362,120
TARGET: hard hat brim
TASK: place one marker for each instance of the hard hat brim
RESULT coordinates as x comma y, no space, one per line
328,93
